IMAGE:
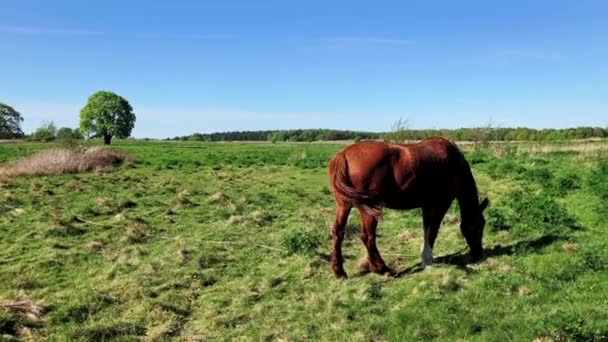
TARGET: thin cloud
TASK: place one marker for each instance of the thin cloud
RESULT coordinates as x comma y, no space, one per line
30,30
47,31
367,40
513,54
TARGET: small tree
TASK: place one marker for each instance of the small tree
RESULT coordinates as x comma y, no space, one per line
108,115
46,132
10,122
399,132
68,133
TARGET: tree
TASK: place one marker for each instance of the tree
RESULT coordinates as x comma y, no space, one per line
46,132
399,132
108,115
68,133
10,122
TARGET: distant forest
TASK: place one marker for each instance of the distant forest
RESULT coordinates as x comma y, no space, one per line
461,134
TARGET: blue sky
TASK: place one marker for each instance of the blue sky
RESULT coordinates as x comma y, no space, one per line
204,66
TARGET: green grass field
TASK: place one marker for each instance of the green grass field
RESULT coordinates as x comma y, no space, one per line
213,241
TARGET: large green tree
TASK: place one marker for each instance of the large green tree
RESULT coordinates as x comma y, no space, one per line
10,122
108,115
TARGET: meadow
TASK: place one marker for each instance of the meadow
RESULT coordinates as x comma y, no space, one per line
204,241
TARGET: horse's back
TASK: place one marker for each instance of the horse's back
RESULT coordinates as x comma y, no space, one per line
403,175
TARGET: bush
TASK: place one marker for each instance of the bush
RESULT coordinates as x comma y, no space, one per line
593,256
196,137
47,132
564,184
301,242
496,219
479,156
532,212
505,168
597,181
68,133
541,175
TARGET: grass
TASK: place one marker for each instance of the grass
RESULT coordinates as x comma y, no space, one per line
60,161
206,241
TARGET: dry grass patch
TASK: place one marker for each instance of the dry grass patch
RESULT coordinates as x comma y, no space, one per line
60,161
18,318
23,308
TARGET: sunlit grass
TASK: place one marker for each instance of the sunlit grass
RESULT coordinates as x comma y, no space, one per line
207,241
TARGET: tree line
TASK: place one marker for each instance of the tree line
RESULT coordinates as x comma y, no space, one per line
399,135
306,135
107,115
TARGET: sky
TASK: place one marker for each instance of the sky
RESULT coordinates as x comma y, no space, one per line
208,66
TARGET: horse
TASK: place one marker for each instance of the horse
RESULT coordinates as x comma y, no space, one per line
372,175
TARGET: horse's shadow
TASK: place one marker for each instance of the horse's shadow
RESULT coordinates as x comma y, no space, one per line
461,260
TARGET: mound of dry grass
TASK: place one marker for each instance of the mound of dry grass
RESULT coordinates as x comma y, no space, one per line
23,308
59,161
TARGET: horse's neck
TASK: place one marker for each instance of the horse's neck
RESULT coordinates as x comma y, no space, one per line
468,199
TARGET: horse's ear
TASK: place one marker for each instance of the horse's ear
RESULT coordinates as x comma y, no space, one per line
484,204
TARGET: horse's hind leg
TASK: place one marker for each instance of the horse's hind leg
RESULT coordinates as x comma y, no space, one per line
368,237
337,235
431,220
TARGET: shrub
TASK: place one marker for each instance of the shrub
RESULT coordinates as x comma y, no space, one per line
532,212
196,137
398,133
505,168
45,133
479,156
496,219
593,256
301,242
564,184
541,175
67,133
597,180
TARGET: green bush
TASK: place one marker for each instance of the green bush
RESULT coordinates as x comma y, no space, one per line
496,219
598,180
47,132
479,156
593,257
540,175
301,242
505,168
532,212
564,184
68,133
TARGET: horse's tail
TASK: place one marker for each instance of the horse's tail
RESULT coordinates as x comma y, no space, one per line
341,186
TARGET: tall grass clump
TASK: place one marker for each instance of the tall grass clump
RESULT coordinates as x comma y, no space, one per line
598,180
60,161
301,242
529,213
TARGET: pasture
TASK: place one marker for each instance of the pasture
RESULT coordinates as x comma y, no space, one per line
216,241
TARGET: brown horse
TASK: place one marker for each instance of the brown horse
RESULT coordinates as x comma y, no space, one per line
430,174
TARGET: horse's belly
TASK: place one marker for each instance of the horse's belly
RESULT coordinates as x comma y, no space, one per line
415,199
403,202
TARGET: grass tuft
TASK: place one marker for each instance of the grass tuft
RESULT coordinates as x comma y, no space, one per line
60,161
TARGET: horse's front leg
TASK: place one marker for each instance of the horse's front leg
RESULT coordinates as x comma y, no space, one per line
368,237
431,220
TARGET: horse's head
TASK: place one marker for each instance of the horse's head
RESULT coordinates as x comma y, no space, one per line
473,230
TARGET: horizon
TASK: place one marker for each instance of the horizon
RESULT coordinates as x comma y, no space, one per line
213,67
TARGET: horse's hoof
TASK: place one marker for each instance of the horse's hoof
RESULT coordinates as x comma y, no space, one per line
390,274
385,271
341,276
